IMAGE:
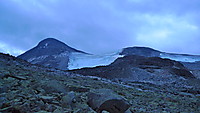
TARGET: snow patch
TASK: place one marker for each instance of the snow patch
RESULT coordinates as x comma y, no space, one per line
80,60
63,54
181,58
46,44
37,58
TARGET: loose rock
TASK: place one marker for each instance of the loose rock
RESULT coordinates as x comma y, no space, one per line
106,99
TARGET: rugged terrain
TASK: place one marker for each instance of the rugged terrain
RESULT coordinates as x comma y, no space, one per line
30,88
135,79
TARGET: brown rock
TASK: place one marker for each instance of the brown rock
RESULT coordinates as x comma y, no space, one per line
106,100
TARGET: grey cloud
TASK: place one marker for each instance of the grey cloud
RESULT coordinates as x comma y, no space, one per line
98,26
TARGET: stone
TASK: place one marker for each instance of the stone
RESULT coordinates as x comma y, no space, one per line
106,100
78,89
47,98
53,86
68,99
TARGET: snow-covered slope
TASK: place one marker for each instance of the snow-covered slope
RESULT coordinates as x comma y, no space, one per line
149,52
79,60
181,57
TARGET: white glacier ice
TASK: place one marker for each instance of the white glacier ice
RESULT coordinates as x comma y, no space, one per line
180,57
80,60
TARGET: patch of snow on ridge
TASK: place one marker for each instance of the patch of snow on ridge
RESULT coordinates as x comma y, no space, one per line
37,58
80,60
181,58
63,54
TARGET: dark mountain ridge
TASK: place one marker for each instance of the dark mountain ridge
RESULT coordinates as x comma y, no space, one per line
50,52
132,66
140,51
48,46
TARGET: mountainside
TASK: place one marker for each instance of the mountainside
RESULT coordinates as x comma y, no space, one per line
189,61
50,52
53,53
142,69
27,88
149,52
140,51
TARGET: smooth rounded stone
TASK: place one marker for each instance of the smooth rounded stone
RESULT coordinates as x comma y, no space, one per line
68,99
106,100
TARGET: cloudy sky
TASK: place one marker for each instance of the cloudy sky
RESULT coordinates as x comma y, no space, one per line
100,26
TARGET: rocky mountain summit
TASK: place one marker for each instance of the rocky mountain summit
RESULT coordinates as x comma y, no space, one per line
50,52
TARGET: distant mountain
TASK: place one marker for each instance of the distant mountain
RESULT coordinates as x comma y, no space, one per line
139,68
140,51
50,52
149,52
189,61
54,53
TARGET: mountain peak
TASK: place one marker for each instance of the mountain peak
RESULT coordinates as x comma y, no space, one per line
50,52
141,51
52,43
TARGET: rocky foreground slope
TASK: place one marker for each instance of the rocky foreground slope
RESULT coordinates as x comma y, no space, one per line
26,88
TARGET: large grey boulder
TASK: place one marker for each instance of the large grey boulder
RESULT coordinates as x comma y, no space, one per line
106,100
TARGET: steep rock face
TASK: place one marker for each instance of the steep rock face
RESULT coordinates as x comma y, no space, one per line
50,52
138,68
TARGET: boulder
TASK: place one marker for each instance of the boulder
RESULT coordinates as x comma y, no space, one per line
53,86
106,100
68,100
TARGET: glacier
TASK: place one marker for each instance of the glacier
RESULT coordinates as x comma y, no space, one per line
181,57
80,60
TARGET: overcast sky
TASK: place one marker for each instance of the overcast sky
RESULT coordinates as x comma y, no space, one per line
101,26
